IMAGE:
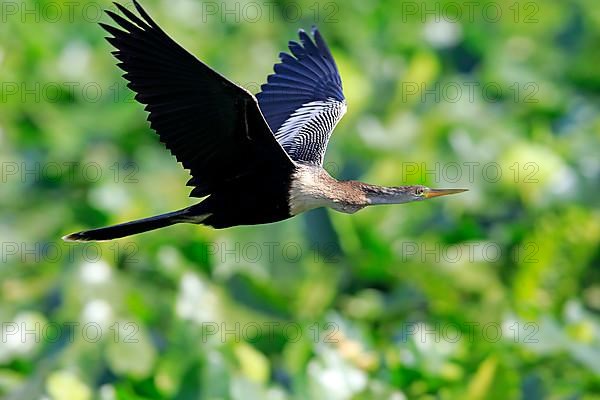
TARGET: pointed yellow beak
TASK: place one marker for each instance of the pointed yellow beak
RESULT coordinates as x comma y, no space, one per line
442,192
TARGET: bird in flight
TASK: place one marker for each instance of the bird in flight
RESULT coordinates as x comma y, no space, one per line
253,160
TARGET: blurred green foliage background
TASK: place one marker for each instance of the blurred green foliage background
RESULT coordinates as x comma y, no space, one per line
492,294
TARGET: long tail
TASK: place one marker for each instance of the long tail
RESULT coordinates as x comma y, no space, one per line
134,227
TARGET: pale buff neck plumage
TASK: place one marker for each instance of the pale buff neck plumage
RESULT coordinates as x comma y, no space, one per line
312,187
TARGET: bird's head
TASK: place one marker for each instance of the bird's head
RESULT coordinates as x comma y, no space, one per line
420,192
404,194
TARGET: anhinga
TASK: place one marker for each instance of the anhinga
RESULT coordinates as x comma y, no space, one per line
253,160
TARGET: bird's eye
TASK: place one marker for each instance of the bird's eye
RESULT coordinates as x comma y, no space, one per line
419,191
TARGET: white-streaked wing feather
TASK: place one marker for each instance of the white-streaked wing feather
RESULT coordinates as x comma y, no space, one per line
303,100
305,134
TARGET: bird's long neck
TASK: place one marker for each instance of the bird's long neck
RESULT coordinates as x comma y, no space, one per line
385,194
313,187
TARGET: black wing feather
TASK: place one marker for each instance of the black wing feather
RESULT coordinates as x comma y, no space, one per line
212,126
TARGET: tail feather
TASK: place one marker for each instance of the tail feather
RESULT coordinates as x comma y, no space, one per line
133,227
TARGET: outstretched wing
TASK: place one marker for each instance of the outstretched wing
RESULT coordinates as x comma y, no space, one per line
212,126
303,100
